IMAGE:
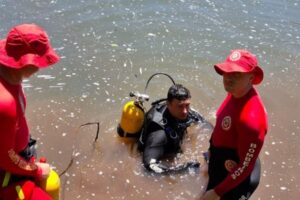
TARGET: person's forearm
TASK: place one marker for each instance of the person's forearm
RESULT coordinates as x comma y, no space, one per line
15,164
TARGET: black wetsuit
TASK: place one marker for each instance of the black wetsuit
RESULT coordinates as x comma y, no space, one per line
217,173
162,135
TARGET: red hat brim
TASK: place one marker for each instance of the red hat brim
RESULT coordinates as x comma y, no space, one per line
229,67
47,59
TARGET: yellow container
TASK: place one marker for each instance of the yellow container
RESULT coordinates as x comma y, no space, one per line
132,118
51,185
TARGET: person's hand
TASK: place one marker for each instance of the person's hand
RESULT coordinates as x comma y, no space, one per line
45,167
204,168
204,163
210,195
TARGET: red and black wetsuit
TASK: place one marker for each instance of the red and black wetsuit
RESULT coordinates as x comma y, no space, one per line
238,137
14,138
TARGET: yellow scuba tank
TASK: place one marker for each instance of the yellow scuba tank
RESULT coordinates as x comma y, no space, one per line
132,117
52,184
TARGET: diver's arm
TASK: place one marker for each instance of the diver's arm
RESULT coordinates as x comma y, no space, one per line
157,167
154,150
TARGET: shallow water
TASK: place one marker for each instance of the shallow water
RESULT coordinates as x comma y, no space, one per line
109,48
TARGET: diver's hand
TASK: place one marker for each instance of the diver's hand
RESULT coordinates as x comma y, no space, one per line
45,169
157,167
210,195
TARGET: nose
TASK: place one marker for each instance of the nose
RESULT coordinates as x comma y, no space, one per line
185,111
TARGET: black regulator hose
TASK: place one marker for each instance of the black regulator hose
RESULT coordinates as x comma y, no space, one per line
159,73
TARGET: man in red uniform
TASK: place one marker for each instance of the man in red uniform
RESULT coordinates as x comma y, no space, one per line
241,125
25,50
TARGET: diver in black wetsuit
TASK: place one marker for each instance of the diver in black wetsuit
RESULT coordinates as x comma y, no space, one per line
164,128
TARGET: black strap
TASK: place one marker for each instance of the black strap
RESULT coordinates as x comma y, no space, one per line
30,150
122,133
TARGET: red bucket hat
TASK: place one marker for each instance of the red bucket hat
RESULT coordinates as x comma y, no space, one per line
27,44
241,61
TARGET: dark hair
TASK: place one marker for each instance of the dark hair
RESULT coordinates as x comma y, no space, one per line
178,92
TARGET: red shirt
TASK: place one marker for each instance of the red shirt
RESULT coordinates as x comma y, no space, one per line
241,125
14,133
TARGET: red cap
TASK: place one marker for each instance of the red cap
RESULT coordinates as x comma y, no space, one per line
27,44
241,61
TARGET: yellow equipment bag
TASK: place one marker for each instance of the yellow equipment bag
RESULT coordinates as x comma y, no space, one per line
51,185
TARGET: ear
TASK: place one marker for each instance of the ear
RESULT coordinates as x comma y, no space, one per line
252,76
168,103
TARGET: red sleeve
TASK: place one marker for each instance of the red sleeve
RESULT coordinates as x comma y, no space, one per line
251,132
9,158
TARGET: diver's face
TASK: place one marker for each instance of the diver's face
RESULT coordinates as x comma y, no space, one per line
179,108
